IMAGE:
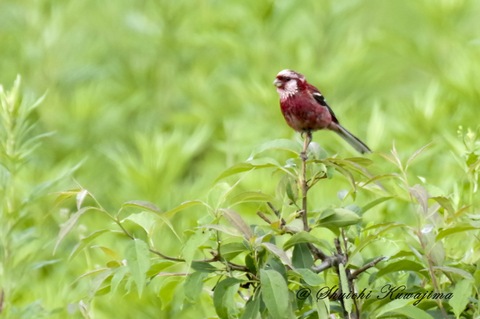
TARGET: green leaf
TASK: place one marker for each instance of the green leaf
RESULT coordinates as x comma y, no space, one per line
142,205
80,197
403,307
44,263
231,250
415,155
275,263
118,275
347,167
400,265
290,188
225,229
377,178
310,278
184,206
108,252
472,159
302,256
384,227
193,243
98,282
63,196
279,253
85,241
280,144
345,172
445,203
457,229
252,308
168,290
239,168
421,195
159,266
456,271
304,237
146,220
316,151
275,293
203,266
70,223
461,295
237,221
413,312
251,165
348,302
323,307
138,261
193,286
342,217
375,203
250,263
224,298
249,197
362,161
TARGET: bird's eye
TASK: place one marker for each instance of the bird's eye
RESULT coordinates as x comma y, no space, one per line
284,78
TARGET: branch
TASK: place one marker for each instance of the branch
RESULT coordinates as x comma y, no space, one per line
156,252
303,180
317,253
330,261
369,265
275,211
265,218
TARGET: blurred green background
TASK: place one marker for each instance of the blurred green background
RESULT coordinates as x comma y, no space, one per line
156,98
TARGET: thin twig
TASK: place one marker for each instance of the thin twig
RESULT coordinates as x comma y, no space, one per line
348,272
153,251
156,252
317,253
342,259
275,211
365,267
265,218
233,266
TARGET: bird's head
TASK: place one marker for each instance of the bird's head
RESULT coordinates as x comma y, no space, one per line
288,83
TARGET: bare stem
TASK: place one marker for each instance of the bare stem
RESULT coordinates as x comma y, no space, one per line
369,265
265,218
303,179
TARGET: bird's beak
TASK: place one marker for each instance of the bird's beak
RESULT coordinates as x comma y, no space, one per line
277,83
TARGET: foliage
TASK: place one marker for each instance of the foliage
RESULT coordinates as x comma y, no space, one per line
277,266
24,222
147,113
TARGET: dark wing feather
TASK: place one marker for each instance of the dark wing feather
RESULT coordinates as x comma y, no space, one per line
321,100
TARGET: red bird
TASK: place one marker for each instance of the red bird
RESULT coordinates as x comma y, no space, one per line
305,109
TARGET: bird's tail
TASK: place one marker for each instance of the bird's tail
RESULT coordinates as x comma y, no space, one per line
352,139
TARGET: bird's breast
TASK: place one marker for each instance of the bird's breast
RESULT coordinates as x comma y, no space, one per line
303,114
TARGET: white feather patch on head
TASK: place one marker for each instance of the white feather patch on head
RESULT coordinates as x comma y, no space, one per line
290,80
285,72
290,88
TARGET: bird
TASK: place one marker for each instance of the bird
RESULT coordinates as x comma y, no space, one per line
305,109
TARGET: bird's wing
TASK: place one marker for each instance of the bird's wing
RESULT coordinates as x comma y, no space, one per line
321,100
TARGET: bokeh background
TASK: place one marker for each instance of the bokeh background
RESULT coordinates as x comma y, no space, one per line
152,100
